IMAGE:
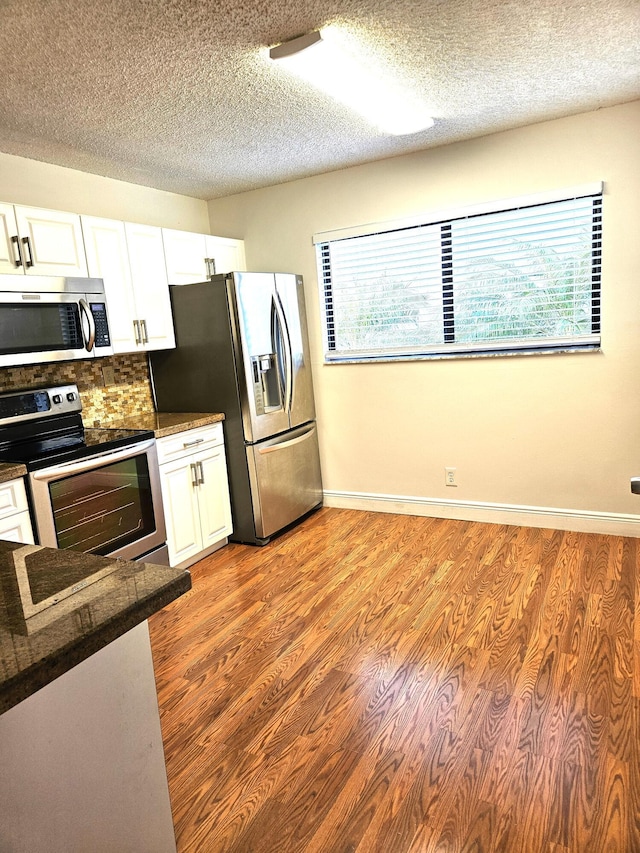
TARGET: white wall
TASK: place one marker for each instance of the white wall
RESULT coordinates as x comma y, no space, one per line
36,184
530,434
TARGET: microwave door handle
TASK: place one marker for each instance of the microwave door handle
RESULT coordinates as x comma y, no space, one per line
288,360
91,324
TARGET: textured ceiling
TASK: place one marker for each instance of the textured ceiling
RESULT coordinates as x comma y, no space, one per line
178,95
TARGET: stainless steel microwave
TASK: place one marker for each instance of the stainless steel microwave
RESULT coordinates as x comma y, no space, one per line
49,318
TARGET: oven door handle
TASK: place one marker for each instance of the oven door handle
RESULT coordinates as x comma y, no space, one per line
54,472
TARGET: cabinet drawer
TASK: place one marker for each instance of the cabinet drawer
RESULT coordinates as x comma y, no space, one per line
17,528
182,443
13,498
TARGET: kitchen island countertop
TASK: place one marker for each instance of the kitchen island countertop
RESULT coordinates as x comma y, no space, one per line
36,650
170,423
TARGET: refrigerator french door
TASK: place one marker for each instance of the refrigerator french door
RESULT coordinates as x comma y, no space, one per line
242,349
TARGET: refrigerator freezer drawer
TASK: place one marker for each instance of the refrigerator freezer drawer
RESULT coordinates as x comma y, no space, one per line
285,478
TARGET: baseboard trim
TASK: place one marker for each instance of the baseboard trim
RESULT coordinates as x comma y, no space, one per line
582,521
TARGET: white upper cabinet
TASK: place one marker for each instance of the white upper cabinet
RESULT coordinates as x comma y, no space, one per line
194,257
130,259
150,286
225,254
186,256
10,260
34,241
108,258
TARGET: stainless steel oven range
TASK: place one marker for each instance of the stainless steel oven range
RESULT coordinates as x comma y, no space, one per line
91,490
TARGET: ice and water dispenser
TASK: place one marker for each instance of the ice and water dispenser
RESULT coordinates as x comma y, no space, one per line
266,384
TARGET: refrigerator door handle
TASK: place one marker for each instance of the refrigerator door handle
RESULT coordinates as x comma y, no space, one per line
284,444
288,359
277,344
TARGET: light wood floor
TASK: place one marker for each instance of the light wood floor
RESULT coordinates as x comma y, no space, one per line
371,682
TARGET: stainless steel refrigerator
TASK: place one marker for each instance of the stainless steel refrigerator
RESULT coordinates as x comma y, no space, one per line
242,349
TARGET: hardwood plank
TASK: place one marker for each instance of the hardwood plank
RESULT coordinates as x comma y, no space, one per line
383,684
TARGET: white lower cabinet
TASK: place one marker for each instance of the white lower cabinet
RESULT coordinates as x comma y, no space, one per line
195,493
15,522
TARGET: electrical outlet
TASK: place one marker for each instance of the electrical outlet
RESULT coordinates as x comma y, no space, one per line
108,375
450,477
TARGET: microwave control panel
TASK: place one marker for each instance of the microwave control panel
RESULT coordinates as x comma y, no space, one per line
99,311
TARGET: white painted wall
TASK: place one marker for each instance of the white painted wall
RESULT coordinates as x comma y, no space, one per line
36,184
560,431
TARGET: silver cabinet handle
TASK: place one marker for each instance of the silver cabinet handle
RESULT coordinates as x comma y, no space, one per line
16,242
136,331
145,336
194,474
192,443
199,464
26,242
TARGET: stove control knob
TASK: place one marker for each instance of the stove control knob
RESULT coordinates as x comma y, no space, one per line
71,396
57,398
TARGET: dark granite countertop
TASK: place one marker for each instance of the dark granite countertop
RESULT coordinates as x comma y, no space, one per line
37,648
170,423
11,471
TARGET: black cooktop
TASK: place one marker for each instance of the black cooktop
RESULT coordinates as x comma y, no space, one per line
62,441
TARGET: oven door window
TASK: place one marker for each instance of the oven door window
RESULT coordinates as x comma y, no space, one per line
104,509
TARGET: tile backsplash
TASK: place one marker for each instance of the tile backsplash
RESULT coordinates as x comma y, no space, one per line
128,394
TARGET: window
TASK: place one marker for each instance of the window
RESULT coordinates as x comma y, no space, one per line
526,277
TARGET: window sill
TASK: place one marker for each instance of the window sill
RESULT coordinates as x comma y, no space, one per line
448,356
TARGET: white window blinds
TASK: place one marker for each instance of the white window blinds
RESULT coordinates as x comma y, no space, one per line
527,277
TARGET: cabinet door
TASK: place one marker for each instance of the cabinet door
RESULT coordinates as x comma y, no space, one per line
55,245
228,254
15,523
13,498
10,258
180,510
184,253
150,286
213,496
17,528
108,258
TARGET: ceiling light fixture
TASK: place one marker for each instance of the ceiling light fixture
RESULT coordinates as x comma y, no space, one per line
324,61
